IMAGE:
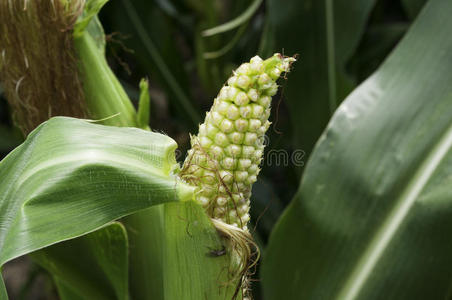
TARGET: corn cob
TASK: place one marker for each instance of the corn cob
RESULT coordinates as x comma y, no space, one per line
225,155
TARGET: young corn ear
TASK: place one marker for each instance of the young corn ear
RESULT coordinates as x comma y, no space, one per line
225,155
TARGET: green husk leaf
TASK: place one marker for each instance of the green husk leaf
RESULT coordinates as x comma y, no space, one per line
105,97
194,265
146,239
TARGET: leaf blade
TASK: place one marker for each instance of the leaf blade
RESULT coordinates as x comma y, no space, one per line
372,204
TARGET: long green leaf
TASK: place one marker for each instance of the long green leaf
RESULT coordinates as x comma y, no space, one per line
325,34
101,273
374,211
71,177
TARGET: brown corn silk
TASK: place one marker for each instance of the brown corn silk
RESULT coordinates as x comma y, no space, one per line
38,67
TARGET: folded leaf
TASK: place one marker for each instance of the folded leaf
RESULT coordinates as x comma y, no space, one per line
71,177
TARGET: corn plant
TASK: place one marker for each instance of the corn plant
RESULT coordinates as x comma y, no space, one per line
245,121
100,202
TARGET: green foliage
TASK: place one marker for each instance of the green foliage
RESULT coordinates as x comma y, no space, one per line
370,218
324,34
101,273
374,201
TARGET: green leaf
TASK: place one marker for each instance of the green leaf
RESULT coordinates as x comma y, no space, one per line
101,273
373,213
325,35
191,271
104,95
146,239
172,259
71,177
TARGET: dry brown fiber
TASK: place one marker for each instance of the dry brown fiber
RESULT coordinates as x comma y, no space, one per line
38,67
